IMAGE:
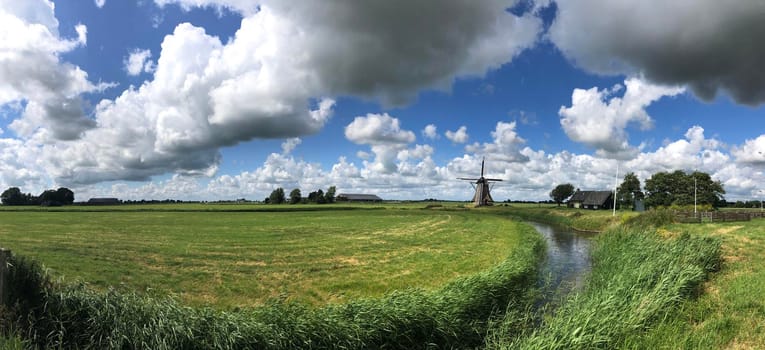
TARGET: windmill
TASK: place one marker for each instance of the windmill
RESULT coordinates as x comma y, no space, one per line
482,186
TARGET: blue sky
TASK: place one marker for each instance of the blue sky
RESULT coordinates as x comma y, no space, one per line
224,99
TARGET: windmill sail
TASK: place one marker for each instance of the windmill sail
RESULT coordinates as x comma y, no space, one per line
482,187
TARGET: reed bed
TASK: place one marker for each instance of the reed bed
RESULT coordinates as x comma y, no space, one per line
639,278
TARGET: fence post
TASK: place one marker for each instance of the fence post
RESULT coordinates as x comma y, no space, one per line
5,255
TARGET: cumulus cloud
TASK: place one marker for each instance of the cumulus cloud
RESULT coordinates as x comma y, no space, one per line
459,136
430,132
31,70
377,129
289,145
599,122
751,152
416,175
385,136
273,79
708,45
139,61
100,3
389,50
505,146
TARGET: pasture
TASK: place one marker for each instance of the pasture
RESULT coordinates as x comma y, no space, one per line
231,255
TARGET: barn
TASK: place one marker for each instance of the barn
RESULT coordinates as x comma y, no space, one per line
103,201
592,200
355,197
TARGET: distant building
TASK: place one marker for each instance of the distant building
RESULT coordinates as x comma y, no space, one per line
639,205
103,201
353,197
592,200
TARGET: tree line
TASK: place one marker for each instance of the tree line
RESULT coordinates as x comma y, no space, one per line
662,189
61,196
295,197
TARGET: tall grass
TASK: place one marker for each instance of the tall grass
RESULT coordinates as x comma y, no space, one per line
638,278
577,219
50,315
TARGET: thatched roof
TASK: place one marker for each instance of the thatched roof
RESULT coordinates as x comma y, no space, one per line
591,197
358,197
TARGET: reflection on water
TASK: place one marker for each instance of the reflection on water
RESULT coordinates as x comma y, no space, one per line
568,258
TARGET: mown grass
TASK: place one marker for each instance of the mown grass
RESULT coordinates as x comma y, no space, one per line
457,315
231,259
639,278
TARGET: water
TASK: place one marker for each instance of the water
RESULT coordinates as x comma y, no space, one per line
567,263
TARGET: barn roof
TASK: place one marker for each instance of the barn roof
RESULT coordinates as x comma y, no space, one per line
591,197
359,197
103,200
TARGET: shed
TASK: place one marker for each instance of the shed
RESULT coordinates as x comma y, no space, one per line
592,200
356,197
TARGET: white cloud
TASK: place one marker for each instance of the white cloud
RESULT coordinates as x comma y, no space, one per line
430,132
290,144
709,45
139,61
270,80
602,124
415,175
377,129
372,50
751,152
100,3
459,136
31,71
505,146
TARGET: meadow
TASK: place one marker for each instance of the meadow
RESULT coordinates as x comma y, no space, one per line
232,256
654,283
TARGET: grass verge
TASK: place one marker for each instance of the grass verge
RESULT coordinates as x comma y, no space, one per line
731,311
639,278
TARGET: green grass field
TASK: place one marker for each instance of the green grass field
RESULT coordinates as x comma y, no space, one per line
730,311
648,289
228,255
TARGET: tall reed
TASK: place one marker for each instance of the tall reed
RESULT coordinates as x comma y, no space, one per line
638,278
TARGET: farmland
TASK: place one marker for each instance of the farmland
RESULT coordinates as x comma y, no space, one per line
213,255
654,284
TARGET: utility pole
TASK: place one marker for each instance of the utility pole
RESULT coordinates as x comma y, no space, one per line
616,184
694,193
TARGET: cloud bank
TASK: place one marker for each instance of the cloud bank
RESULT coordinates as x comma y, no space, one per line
711,46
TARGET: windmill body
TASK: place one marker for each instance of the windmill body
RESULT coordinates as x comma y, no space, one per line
482,188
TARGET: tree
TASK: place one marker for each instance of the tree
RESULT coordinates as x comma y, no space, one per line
65,195
629,191
677,188
330,195
277,196
561,192
295,196
317,197
13,196
48,198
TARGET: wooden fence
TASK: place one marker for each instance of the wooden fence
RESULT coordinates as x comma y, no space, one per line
716,216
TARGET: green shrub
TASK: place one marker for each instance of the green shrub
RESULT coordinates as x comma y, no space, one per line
652,218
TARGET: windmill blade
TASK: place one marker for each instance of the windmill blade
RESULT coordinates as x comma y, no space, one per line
493,179
464,178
